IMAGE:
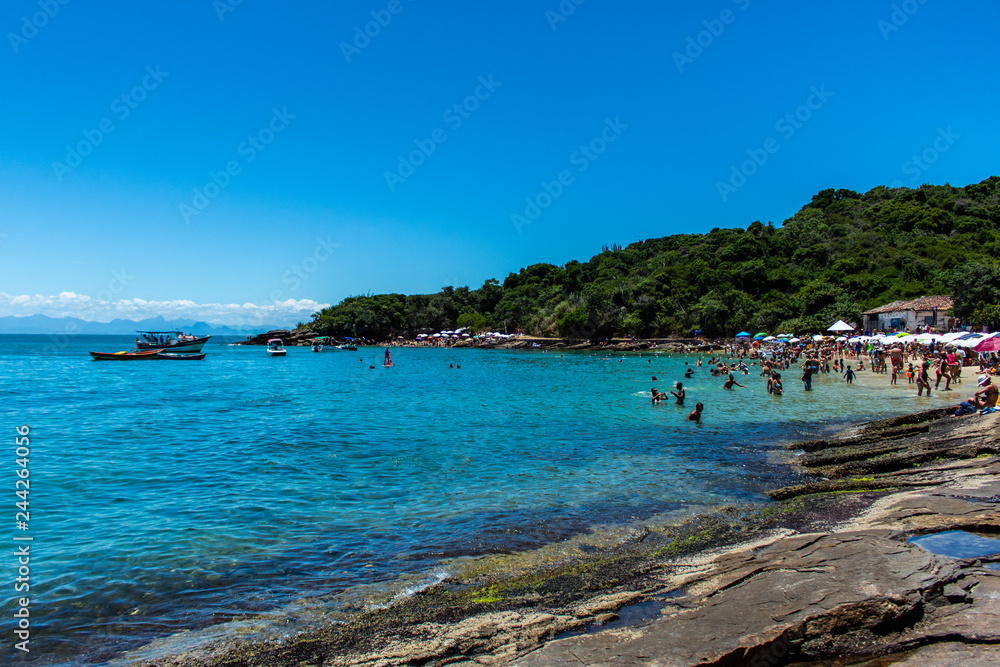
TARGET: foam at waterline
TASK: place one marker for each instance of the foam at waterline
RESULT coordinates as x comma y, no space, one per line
410,591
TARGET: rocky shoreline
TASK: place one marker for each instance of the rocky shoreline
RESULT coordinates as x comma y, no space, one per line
305,338
823,575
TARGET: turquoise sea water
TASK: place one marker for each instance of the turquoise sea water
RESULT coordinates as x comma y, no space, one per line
168,496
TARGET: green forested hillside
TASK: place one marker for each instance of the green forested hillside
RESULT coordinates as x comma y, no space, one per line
842,253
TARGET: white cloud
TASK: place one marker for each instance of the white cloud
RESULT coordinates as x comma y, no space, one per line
70,304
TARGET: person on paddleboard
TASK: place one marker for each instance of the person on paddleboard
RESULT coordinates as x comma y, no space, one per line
388,358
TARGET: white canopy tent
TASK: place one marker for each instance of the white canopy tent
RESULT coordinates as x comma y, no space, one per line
841,325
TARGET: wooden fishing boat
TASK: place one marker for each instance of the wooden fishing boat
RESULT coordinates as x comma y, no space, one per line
124,356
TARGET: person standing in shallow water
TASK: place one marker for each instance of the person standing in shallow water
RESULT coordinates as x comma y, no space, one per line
730,382
679,394
807,374
696,415
924,379
774,384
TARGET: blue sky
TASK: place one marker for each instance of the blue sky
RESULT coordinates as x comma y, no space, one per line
268,157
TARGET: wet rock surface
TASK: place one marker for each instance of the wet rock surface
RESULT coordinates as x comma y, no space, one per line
824,576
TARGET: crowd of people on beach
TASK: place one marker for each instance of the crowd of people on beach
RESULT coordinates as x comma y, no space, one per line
924,365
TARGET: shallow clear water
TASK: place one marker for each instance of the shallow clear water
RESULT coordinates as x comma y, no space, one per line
167,496
958,544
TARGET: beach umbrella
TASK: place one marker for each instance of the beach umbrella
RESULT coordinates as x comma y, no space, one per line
991,344
841,325
760,334
793,340
743,334
770,338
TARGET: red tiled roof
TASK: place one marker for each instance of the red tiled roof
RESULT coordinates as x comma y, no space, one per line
923,303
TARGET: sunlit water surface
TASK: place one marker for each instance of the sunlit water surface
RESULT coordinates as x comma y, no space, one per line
167,496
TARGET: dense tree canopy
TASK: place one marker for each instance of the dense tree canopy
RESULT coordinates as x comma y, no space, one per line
840,254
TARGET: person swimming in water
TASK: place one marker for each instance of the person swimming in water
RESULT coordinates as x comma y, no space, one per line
679,394
730,382
696,415
689,373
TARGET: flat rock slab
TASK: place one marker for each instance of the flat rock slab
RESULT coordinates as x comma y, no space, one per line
824,594
947,654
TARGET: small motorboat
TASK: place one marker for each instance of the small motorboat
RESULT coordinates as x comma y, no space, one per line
124,356
275,348
177,356
319,343
175,341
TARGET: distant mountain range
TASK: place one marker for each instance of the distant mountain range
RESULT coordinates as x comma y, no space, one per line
43,324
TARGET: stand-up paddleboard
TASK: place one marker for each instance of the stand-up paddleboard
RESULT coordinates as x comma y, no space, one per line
388,359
